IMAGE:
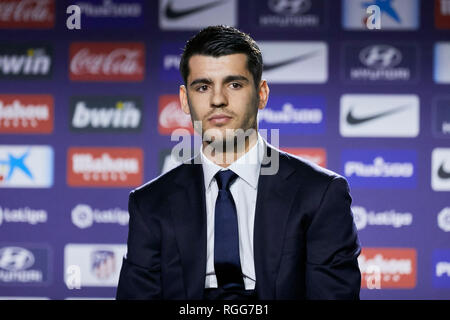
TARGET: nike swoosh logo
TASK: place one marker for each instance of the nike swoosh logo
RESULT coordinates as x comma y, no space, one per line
352,120
442,173
268,67
173,14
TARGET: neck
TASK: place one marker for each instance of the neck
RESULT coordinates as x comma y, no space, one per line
226,158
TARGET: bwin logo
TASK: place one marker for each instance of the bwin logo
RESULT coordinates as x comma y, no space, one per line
15,259
290,7
380,56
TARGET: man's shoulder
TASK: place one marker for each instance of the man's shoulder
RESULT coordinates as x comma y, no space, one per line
306,168
165,182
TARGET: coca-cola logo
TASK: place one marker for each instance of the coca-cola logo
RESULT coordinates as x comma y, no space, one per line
27,14
171,116
107,61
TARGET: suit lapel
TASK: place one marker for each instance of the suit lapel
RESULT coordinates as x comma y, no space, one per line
188,213
274,201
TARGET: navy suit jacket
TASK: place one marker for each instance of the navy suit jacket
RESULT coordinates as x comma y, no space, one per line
305,242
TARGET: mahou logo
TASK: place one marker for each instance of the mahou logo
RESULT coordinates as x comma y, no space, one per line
383,268
104,167
107,61
171,116
29,14
26,113
315,155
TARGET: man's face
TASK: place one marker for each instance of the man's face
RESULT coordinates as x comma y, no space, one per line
220,92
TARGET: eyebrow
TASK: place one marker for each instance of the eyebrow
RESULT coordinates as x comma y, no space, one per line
227,79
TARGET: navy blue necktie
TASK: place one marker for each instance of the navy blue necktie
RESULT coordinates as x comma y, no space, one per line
227,264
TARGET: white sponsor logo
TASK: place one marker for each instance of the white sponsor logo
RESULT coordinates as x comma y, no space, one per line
171,61
92,272
119,61
443,269
25,11
443,219
109,8
289,7
381,63
289,114
26,166
22,215
379,168
86,164
390,269
25,113
364,218
34,62
445,7
440,169
295,61
196,14
15,264
398,15
377,115
83,216
172,116
125,116
442,62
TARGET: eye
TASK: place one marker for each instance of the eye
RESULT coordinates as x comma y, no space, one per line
235,85
202,88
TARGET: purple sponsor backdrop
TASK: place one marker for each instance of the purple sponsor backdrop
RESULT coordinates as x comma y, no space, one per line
41,221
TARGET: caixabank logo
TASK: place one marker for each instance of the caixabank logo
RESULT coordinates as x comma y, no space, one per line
27,14
388,268
294,115
385,169
441,268
22,265
32,61
23,166
26,113
106,114
196,14
289,13
171,116
107,61
110,14
104,167
398,15
380,63
98,264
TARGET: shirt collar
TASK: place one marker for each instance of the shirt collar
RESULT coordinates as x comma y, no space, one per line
247,167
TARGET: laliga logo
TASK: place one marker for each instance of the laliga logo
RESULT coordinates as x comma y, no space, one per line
82,216
444,219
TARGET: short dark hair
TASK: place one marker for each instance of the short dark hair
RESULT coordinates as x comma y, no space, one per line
219,41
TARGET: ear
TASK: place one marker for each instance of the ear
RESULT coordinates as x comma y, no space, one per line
263,94
184,100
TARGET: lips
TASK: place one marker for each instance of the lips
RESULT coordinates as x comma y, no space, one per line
219,119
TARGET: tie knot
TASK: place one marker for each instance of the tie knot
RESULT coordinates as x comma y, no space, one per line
225,178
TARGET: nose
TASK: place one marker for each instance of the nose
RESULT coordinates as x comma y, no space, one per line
218,98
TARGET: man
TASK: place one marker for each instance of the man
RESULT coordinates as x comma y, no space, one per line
220,226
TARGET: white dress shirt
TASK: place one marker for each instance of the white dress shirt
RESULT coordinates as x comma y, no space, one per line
244,191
